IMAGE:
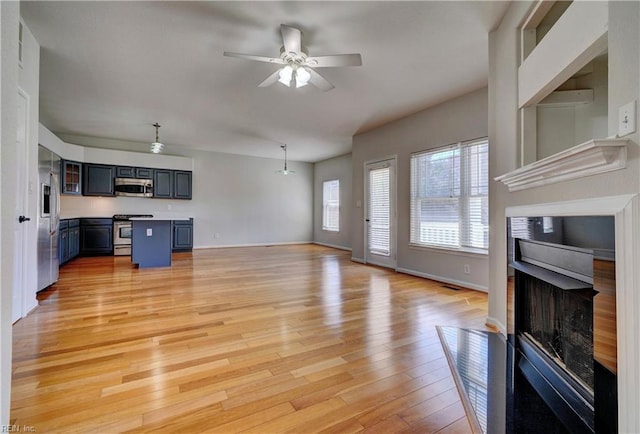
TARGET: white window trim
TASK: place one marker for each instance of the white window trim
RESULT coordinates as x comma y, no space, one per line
462,249
326,227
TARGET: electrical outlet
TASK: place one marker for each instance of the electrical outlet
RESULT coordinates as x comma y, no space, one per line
216,235
467,269
627,119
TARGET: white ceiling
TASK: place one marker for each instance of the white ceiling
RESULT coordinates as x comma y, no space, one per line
112,69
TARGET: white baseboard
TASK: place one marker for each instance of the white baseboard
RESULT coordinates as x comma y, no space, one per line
333,246
358,260
444,279
225,246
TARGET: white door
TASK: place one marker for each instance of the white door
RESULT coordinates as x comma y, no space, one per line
380,213
20,226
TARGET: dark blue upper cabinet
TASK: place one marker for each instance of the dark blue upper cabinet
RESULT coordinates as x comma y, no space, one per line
182,184
163,184
97,180
125,172
144,173
134,172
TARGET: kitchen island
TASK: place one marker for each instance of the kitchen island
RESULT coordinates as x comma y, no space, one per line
151,241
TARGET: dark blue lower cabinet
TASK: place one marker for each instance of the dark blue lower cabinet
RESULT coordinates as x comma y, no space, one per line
68,240
182,235
74,241
63,243
96,236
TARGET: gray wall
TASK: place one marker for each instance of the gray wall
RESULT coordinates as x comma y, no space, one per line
335,168
460,119
245,202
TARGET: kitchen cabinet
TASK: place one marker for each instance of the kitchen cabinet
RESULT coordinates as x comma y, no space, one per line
134,172
181,184
96,236
144,173
98,179
125,172
71,177
182,235
63,242
68,240
163,183
74,238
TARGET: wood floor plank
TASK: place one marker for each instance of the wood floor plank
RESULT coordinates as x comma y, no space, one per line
260,339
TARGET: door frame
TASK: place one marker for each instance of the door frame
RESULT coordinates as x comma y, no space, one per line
393,190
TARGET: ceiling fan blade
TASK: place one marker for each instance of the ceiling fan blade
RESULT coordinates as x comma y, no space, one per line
252,57
319,81
334,60
291,39
272,79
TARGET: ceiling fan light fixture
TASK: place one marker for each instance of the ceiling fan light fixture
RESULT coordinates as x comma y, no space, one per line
302,77
286,74
156,147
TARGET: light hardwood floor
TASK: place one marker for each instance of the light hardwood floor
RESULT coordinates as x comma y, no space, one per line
265,339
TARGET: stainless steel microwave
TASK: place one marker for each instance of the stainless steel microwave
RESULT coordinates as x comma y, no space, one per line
134,187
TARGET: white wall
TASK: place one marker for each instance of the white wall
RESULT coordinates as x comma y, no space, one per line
339,168
9,18
559,128
460,119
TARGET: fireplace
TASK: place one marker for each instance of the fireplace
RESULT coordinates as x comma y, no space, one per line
563,322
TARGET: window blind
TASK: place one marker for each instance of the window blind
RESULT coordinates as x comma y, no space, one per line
378,205
331,205
449,196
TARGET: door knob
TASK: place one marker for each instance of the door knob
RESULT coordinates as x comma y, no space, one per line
23,219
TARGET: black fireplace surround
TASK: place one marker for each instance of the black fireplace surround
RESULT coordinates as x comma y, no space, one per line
560,324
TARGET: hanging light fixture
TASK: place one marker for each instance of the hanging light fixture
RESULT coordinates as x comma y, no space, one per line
285,171
156,147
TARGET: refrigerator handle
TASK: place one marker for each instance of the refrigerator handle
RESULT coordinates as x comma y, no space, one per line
55,220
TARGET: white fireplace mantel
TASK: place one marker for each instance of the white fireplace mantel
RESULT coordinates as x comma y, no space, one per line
586,159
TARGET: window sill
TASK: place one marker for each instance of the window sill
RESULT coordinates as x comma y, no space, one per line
331,230
463,251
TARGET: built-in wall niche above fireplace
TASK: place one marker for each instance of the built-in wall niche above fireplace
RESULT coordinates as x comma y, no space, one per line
563,321
562,78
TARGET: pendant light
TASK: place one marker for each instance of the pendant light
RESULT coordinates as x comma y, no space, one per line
156,147
285,171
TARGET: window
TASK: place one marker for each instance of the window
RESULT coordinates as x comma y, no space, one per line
331,205
449,196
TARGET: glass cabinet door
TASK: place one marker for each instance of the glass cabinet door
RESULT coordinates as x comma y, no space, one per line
71,175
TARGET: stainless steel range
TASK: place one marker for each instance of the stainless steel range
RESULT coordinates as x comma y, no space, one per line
122,233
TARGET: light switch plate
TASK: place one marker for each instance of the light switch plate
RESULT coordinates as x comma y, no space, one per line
149,232
627,119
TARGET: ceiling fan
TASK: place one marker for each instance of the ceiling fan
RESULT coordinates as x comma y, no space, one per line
298,65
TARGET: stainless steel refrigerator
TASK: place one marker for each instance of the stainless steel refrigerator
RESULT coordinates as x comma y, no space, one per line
48,217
